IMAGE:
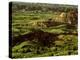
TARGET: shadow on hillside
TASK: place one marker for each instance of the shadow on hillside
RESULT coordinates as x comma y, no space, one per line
44,38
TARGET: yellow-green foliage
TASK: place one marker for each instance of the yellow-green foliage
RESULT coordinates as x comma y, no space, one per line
46,21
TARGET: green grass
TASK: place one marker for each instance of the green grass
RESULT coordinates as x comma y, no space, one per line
27,49
30,49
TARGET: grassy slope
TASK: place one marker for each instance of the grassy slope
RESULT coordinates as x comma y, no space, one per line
31,50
